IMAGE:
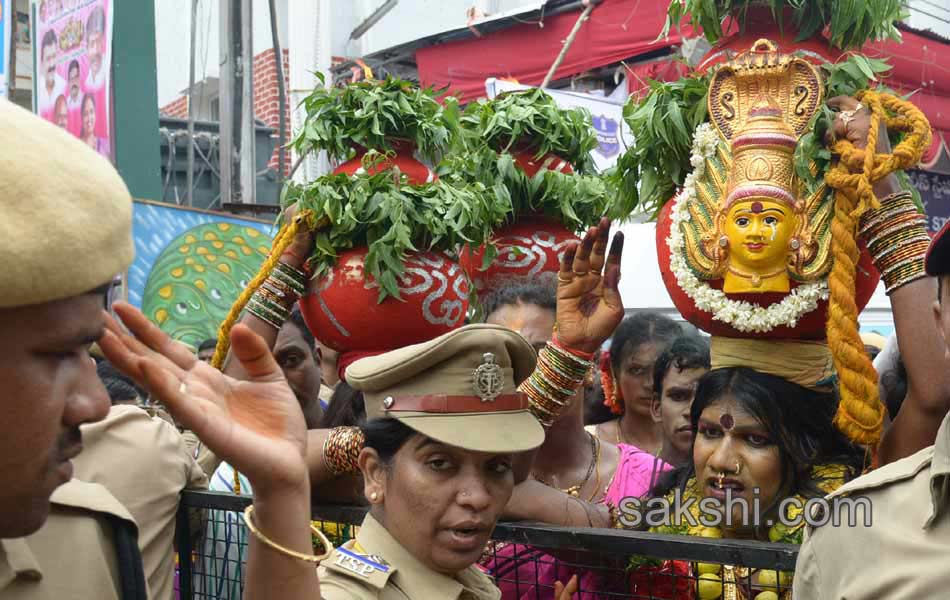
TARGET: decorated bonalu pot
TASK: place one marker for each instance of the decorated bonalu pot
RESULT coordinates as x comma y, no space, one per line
343,312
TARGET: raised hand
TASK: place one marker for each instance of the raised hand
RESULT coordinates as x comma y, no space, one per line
562,592
853,122
256,425
588,301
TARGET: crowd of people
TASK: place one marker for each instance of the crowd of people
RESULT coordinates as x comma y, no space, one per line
557,409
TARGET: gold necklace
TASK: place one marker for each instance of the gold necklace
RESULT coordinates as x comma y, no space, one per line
574,490
596,468
756,278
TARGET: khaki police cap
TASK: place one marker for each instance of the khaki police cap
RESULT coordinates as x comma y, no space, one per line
66,227
459,389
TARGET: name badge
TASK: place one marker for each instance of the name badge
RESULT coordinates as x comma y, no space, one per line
360,565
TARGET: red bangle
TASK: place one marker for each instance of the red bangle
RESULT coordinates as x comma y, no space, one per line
577,353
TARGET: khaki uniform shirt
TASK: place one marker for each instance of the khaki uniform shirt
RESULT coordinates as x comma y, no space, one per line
145,463
906,551
72,556
376,566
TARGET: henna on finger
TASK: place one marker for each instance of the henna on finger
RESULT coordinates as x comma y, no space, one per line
612,272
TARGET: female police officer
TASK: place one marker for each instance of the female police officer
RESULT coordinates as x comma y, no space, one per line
439,455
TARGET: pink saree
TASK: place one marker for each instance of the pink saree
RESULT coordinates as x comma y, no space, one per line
525,573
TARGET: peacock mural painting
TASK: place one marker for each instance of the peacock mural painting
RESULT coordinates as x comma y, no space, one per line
190,266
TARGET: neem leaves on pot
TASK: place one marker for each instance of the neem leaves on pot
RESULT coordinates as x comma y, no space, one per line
374,114
383,212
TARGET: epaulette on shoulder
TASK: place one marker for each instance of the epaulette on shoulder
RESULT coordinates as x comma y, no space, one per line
901,470
371,570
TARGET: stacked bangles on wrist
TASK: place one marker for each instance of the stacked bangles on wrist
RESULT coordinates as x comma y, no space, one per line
275,297
896,236
342,449
551,386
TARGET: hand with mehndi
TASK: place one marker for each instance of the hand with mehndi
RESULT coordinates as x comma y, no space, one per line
589,307
256,424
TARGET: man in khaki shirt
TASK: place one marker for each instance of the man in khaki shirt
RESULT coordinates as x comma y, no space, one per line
76,554
64,235
906,550
145,463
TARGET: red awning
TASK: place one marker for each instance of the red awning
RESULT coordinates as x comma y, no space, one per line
616,30
620,29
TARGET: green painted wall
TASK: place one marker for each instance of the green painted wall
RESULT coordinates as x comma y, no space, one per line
135,97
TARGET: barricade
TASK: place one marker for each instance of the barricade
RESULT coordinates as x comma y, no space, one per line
670,566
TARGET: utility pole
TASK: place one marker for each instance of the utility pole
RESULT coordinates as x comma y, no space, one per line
238,166
189,195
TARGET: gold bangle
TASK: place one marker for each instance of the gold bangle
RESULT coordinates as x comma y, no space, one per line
287,551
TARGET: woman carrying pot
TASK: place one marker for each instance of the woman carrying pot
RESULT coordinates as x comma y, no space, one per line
770,446
438,466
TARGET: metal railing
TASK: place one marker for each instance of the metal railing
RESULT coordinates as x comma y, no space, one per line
523,557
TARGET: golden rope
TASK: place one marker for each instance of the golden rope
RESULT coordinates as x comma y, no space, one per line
283,239
860,412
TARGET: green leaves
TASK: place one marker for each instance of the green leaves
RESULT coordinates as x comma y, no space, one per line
851,23
393,218
576,201
373,113
662,123
531,120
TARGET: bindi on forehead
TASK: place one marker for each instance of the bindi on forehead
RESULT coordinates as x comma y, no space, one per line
727,421
756,208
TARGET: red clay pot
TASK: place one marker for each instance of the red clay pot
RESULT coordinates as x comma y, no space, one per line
528,249
342,311
760,23
417,172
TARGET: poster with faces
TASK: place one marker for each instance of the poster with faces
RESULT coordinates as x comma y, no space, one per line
72,73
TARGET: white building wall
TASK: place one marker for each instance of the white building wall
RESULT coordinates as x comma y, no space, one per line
930,14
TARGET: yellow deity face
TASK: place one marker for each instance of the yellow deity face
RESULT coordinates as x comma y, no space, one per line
759,234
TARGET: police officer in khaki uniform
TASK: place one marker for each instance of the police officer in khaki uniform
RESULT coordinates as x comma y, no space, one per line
905,551
438,469
145,463
438,462
65,232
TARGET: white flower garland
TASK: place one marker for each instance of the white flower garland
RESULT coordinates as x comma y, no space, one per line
740,315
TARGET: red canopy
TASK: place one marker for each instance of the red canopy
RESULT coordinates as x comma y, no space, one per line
615,31
620,29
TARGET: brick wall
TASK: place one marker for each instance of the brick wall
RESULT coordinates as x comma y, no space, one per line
177,109
266,97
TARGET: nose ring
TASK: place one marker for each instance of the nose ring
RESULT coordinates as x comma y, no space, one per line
738,467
